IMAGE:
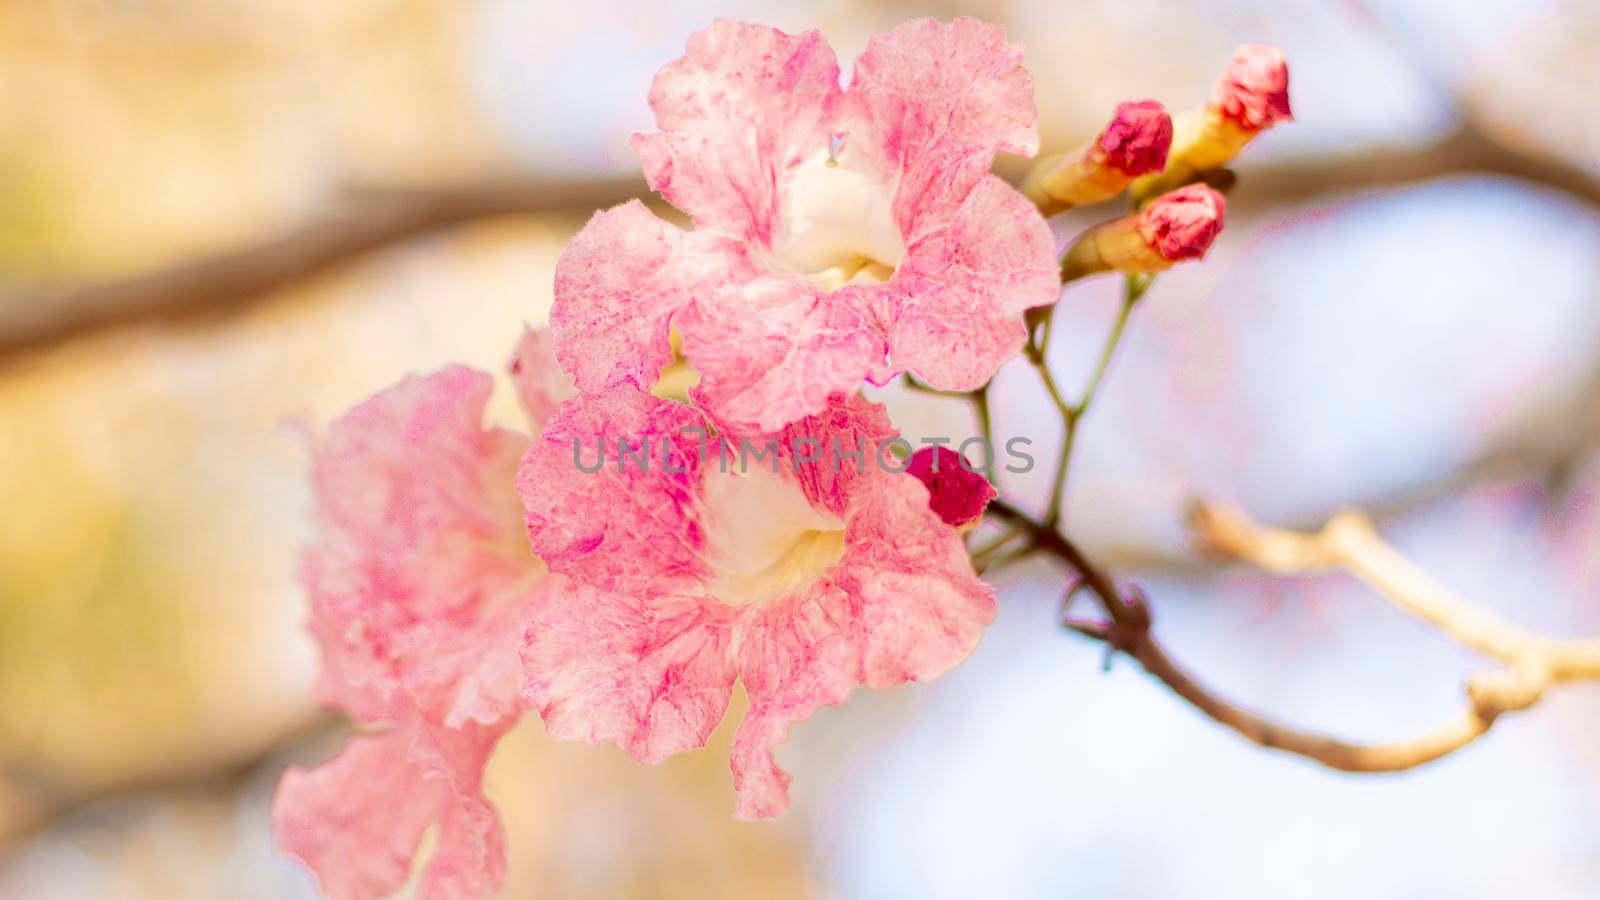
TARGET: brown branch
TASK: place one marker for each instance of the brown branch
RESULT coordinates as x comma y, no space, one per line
368,221
1491,697
1348,541
1130,631
33,808
1466,150
360,222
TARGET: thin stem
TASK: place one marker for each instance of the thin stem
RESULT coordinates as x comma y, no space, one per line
1133,288
980,405
919,387
996,560
1072,413
978,398
988,555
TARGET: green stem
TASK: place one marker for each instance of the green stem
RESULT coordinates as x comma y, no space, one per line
1134,288
980,404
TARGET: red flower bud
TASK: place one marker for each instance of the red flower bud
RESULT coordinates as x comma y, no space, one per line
957,494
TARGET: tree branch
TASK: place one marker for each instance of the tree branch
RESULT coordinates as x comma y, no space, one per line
358,223
1466,150
1130,631
33,808
1491,697
1348,541
363,222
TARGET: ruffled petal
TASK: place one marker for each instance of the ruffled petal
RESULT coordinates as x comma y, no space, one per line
902,605
923,608
358,819
422,565
622,521
794,658
936,102
616,289
540,381
650,674
470,861
834,451
773,350
954,310
745,104
422,584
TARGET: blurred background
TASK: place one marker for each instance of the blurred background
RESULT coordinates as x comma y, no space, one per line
220,220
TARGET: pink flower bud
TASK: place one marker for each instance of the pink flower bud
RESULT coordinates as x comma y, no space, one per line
1253,91
1133,143
1251,96
1175,226
957,495
1138,138
1182,224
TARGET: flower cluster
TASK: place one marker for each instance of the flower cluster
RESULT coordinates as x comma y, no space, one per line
608,572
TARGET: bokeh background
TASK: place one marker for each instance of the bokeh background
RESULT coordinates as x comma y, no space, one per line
223,224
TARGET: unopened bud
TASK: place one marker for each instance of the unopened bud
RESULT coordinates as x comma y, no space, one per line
1133,143
1174,227
1251,96
956,493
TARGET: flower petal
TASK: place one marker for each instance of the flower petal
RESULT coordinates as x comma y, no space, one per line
954,310
358,819
422,566
541,384
937,101
794,658
848,424
902,605
650,674
615,293
745,103
622,522
923,608
773,350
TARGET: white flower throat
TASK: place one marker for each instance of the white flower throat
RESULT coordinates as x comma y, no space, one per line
836,223
764,539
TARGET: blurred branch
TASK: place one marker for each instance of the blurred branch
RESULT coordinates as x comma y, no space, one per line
1547,447
1129,630
1466,150
1348,541
359,222
365,221
33,805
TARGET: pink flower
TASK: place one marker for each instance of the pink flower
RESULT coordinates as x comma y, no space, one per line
840,235
802,573
422,586
956,493
1253,91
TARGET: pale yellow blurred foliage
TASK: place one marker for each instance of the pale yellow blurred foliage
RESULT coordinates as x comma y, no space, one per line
588,822
1095,61
137,134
